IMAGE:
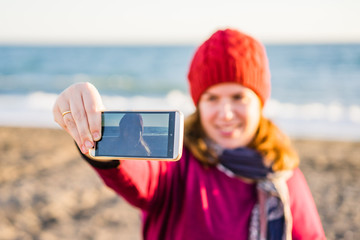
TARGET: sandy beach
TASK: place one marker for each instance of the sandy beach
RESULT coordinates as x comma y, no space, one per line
48,192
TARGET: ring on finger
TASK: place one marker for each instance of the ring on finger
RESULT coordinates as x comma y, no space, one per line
66,112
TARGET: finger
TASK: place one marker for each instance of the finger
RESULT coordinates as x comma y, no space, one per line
66,122
93,105
80,121
57,116
71,128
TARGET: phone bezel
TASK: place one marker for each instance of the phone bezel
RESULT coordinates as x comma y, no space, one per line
177,139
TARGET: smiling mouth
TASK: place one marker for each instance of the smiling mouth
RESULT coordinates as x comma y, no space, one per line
228,131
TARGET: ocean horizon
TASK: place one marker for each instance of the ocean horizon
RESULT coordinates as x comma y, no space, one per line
315,87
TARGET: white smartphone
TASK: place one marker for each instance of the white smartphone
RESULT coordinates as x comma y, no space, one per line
140,135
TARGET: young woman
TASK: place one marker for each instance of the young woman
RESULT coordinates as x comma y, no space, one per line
238,177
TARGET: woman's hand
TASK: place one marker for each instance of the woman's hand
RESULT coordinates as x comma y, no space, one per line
77,110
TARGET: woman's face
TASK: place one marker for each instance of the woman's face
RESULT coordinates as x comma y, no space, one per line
230,114
131,134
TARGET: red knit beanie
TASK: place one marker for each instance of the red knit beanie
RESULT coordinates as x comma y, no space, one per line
230,56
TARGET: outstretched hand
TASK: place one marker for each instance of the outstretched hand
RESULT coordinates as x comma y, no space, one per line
77,110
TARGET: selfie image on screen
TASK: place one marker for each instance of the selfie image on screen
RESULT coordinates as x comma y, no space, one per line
132,134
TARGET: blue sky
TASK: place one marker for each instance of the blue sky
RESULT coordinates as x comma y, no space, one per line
175,22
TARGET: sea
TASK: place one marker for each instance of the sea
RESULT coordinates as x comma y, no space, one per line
315,87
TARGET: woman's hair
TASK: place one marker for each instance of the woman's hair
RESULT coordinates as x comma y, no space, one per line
131,119
272,144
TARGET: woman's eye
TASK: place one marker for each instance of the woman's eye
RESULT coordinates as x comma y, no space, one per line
238,97
212,98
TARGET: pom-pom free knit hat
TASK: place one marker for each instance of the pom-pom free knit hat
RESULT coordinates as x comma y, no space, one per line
230,56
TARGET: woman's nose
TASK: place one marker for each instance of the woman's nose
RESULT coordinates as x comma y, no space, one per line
226,111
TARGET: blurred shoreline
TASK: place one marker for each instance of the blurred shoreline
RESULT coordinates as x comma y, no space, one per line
48,192
333,121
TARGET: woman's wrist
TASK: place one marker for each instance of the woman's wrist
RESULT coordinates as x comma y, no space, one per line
99,164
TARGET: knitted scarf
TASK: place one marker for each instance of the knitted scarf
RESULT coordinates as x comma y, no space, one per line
271,217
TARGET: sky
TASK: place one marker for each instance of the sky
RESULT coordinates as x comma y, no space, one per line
176,22
153,120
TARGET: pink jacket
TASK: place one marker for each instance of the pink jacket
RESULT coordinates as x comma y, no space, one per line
184,200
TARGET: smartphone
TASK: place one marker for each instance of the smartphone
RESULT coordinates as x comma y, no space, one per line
140,135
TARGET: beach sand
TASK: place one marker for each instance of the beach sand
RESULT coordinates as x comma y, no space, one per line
48,192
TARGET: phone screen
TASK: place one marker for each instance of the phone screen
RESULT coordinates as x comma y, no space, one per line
137,135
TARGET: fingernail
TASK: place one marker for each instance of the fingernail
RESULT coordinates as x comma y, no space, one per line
88,144
84,150
96,136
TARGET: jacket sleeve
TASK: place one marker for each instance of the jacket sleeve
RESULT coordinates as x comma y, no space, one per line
306,220
134,180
